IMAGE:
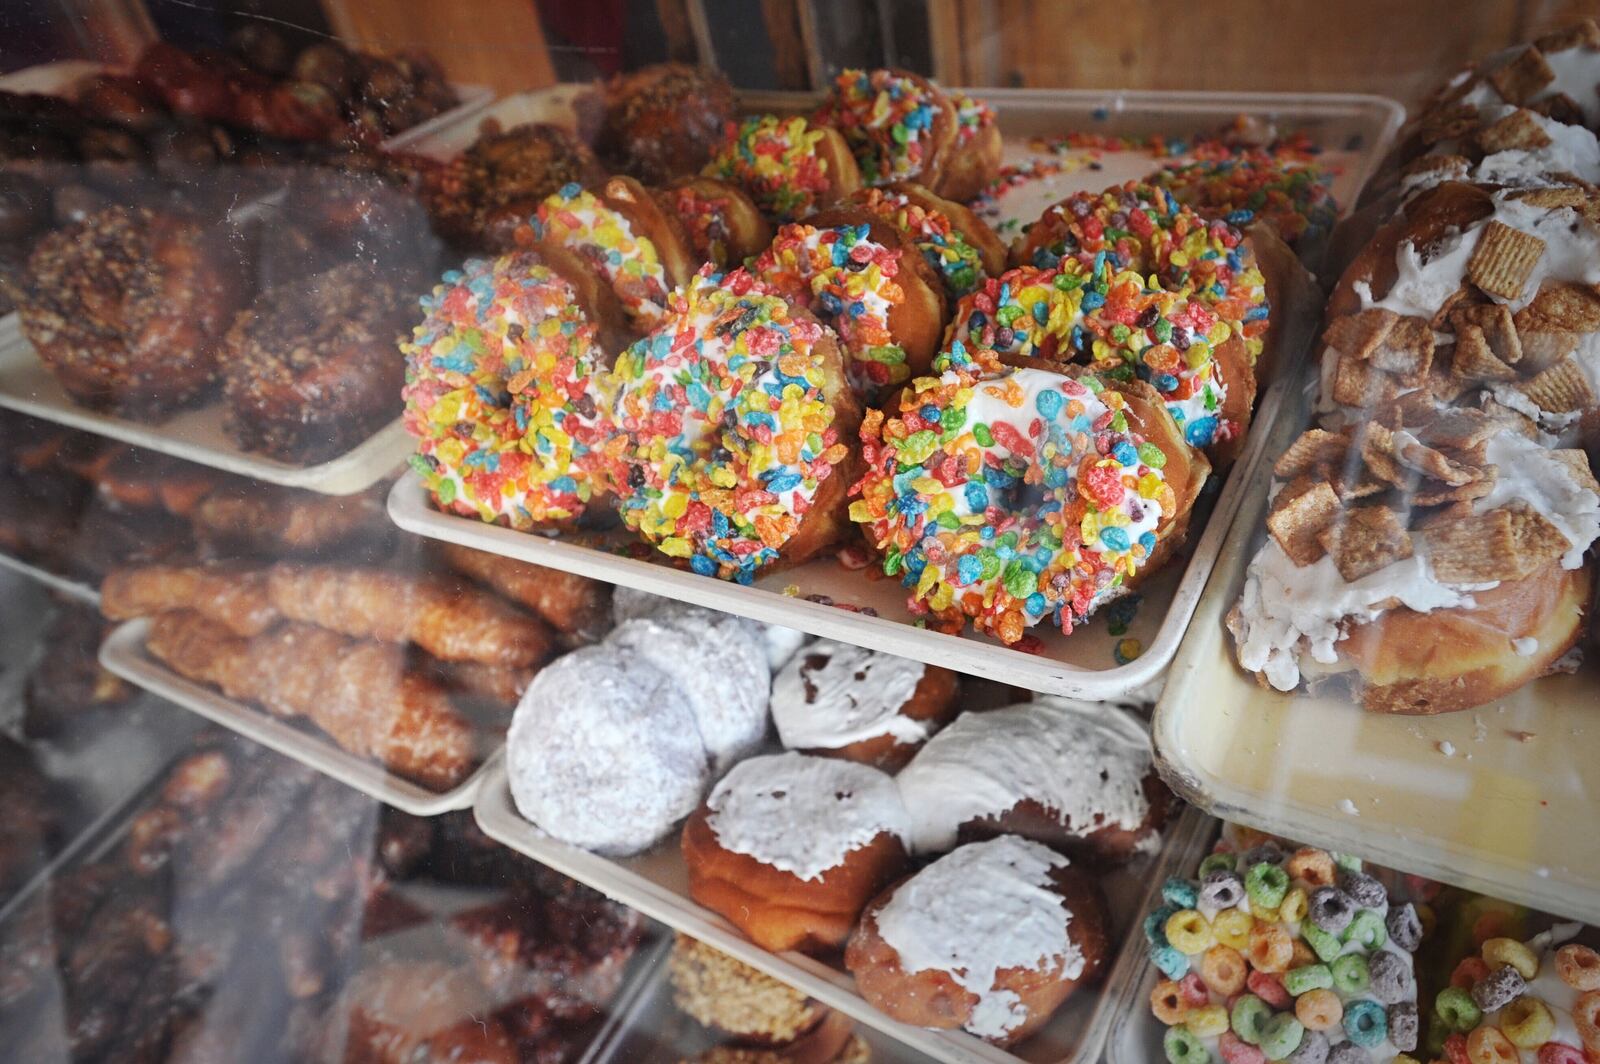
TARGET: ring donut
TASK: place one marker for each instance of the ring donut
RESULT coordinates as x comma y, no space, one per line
899,125
789,167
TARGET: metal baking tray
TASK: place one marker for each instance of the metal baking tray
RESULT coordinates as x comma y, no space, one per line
1094,662
123,653
656,884
193,435
1499,800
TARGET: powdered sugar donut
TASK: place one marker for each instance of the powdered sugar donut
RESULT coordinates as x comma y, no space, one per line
604,752
790,848
838,700
990,939
629,603
1077,776
721,665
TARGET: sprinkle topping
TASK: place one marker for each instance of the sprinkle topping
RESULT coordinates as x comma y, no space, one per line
579,220
775,160
887,119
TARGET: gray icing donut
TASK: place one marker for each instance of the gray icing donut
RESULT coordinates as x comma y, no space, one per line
605,753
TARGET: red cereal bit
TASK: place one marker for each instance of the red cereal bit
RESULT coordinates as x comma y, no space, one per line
1236,1050
1141,224
1093,229
1455,1049
1468,972
1269,988
1556,1053
1101,485
1007,436
1193,989
697,518
1495,923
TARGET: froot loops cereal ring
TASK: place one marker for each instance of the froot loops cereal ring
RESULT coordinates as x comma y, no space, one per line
1350,974
1188,931
1457,1009
1311,866
1366,1023
1215,862
1556,1053
1498,951
1221,889
1487,1045
1366,929
735,411
1248,1017
787,165
1155,923
1183,1046
1281,1036
1319,1010
1300,979
530,459
1173,963
1179,893
1269,988
1327,947
1527,1022
1578,966
1294,906
898,124
1167,1002
1271,949
1303,955
1467,972
1208,1021
1405,927
1404,1024
1586,1018
1237,1050
1232,928
1266,884
1223,970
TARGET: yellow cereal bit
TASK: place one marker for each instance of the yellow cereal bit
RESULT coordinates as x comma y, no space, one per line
1232,928
1293,907
675,547
941,599
1188,932
929,577
861,512
1208,1021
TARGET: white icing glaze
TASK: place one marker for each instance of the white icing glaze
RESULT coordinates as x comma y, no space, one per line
1572,150
983,909
720,665
1576,70
780,643
1527,473
835,694
604,753
1525,647
803,815
1086,762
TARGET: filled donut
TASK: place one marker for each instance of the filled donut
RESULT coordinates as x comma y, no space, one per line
791,848
721,224
860,277
738,1001
1077,777
990,939
737,423
789,167
899,125
960,247
504,395
1002,496
974,160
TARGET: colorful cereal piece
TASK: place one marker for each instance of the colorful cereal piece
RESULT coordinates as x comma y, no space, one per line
1586,1017
1457,1009
1232,928
1349,1053
1468,971
1237,1050
1281,1036
1172,962
1271,948
1319,1010
1222,889
1155,924
1167,1002
1405,927
1578,966
1269,988
1389,976
1331,909
1487,1045
1311,866
1248,1017
1208,1021
1216,862
1366,1023
1498,951
1527,1022
1188,931
1366,929
1313,1048
1182,1046
1556,1053
1295,906
1499,988
1311,977
1223,970
1350,974
1266,884
1327,947
1365,891
1179,893
1404,1028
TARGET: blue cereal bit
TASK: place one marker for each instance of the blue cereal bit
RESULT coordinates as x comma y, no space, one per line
1180,893
1239,217
1405,927
1367,930
977,496
1201,431
1041,312
1281,1036
1036,604
1125,453
1183,1046
1147,540
1048,402
1093,301
929,413
1115,538
1155,924
1390,979
1165,382
703,565
968,569
1172,963
1366,1023
1403,1025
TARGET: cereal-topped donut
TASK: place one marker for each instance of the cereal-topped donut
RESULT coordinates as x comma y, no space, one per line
1007,495
954,241
502,394
720,222
736,415
789,166
974,160
623,235
899,125
861,277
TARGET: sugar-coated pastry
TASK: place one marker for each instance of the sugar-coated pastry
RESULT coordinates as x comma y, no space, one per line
1535,1000
1299,956
127,308
990,939
720,222
737,1000
790,848
604,752
959,245
1077,776
721,665
790,168
899,125
838,700
860,276
1108,478
502,380
576,606
662,121
622,233
779,642
974,159
737,420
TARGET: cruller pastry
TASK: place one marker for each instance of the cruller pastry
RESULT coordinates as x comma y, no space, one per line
790,848
991,939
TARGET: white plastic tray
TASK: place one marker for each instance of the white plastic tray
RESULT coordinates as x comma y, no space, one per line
1499,800
193,435
1356,131
123,653
656,884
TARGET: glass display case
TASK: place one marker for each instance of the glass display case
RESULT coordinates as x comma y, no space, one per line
798,533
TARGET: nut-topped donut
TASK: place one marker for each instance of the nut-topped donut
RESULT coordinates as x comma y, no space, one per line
898,124
661,121
861,277
789,167
736,414
951,464
501,385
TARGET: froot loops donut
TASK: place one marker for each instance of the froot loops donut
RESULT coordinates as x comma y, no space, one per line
529,456
789,167
898,124
736,411
1005,496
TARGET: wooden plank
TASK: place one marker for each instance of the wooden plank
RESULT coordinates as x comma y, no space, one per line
678,28
498,43
791,64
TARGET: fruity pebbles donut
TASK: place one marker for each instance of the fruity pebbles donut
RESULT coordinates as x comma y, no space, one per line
528,456
959,247
1007,495
899,125
735,411
789,167
719,221
974,160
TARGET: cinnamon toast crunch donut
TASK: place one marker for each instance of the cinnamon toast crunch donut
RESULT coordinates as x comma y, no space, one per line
789,167
790,848
737,423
